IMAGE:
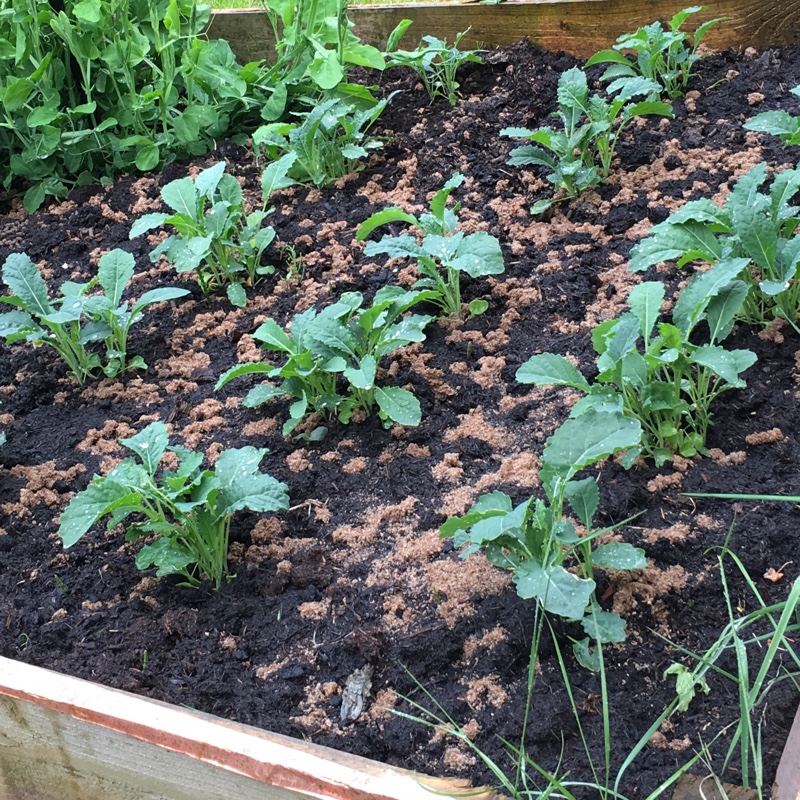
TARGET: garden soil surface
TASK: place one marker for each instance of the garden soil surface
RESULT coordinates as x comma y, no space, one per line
356,574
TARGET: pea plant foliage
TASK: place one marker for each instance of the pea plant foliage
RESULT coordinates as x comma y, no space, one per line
538,543
188,510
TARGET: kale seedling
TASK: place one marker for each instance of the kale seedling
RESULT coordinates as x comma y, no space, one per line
536,542
652,372
662,55
580,154
77,318
328,143
779,123
214,236
754,225
189,509
344,340
434,61
443,254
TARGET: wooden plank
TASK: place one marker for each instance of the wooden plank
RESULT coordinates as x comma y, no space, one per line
787,780
62,738
580,27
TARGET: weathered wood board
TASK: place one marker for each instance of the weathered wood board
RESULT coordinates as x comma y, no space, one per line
62,738
580,27
787,781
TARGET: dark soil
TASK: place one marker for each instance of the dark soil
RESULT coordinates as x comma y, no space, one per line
356,573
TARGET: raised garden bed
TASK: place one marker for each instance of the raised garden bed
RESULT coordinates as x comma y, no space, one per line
355,574
580,27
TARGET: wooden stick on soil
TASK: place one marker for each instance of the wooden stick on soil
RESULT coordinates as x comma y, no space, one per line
62,738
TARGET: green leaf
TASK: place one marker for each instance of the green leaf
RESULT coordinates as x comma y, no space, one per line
723,308
619,555
146,223
34,197
17,93
326,71
114,272
43,115
584,497
686,685
645,303
167,554
399,405
17,324
100,497
756,231
329,337
364,376
586,657
149,444
605,56
604,627
582,441
668,242
477,307
241,370
181,196
276,176
392,214
276,105
243,486
273,337
157,296
87,11
397,34
728,364
690,307
237,295
560,592
549,369
206,182
148,158
479,254
26,282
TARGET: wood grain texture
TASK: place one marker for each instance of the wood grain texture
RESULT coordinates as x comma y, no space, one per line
580,27
62,738
787,781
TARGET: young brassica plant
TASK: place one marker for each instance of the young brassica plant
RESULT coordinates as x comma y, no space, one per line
435,62
579,155
343,341
754,225
652,372
189,510
443,254
214,236
329,142
662,55
78,318
779,123
536,541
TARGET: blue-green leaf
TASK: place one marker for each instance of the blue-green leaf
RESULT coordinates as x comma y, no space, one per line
114,271
149,444
399,405
549,369
619,555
